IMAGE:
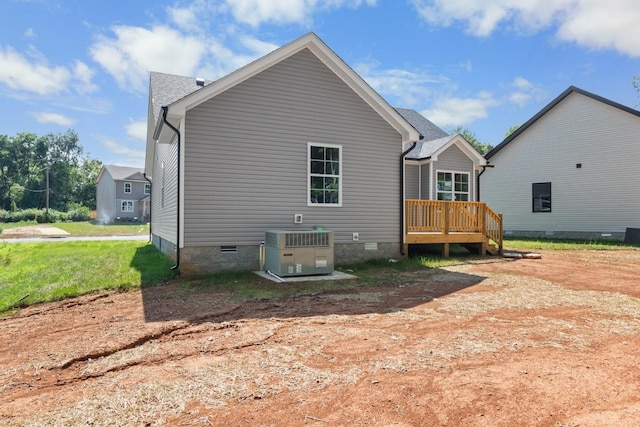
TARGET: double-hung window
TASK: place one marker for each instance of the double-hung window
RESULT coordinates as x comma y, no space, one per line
127,206
541,195
325,175
147,189
453,186
127,187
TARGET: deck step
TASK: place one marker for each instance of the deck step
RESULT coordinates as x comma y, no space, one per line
490,248
493,250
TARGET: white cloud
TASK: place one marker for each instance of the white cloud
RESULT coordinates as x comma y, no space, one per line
124,155
591,23
35,76
604,25
32,73
135,51
83,75
460,111
403,88
522,91
256,12
55,118
222,60
183,17
137,130
195,17
30,33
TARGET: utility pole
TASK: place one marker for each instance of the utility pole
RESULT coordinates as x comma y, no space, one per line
47,194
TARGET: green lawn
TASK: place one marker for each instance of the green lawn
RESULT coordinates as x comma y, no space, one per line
31,273
562,244
89,228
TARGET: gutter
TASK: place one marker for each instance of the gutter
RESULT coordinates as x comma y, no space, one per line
144,174
402,157
484,168
177,132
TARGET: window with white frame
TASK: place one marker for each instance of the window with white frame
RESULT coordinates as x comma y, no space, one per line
147,189
453,186
127,206
127,187
325,175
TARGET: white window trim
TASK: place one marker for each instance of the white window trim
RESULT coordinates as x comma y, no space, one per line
122,202
145,189
130,187
340,176
453,183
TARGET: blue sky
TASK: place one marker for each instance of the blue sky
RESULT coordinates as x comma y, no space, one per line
485,65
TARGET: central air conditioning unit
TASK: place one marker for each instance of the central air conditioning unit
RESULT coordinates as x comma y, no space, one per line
298,253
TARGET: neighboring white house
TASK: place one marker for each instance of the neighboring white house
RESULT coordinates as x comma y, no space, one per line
572,170
122,194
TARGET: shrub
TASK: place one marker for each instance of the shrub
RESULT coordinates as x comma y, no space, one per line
40,216
78,214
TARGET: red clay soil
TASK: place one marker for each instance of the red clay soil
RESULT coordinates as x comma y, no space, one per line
493,342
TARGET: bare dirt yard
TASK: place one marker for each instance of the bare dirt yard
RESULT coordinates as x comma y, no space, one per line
493,342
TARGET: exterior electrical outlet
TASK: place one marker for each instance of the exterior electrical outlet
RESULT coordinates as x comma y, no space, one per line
298,253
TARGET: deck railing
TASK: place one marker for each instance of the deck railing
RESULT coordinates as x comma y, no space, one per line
440,216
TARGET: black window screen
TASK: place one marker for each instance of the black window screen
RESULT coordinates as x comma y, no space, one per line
541,197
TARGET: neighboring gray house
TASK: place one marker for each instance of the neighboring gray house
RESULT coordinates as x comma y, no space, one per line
441,166
569,171
296,134
122,194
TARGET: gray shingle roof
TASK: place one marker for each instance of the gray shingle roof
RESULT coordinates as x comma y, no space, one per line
423,125
425,149
120,173
169,88
434,137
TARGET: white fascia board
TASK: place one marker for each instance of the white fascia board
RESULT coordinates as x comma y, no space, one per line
102,171
466,148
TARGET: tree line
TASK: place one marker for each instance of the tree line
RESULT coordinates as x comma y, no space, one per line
47,171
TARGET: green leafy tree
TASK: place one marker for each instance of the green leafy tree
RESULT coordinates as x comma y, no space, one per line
84,180
16,193
472,139
52,164
511,130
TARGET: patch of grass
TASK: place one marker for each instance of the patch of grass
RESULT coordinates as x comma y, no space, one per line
89,228
8,225
246,286
32,273
524,244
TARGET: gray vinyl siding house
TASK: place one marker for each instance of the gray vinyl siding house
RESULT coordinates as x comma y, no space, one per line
245,142
570,171
439,153
122,194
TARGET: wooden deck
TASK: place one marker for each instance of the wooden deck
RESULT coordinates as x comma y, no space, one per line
446,222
